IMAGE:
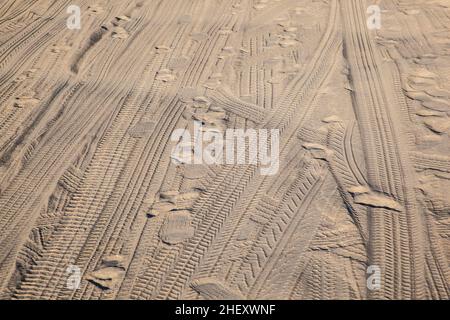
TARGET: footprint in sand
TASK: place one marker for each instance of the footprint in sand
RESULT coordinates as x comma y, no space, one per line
26,100
165,75
109,273
119,33
96,9
170,201
29,74
120,20
177,228
56,48
162,49
123,18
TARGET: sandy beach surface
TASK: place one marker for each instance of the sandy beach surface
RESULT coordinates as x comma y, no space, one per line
345,105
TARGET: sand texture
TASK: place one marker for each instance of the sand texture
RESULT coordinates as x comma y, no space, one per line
94,204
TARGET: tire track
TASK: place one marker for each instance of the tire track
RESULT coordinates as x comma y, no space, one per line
401,258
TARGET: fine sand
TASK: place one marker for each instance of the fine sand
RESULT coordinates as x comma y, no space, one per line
93,204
